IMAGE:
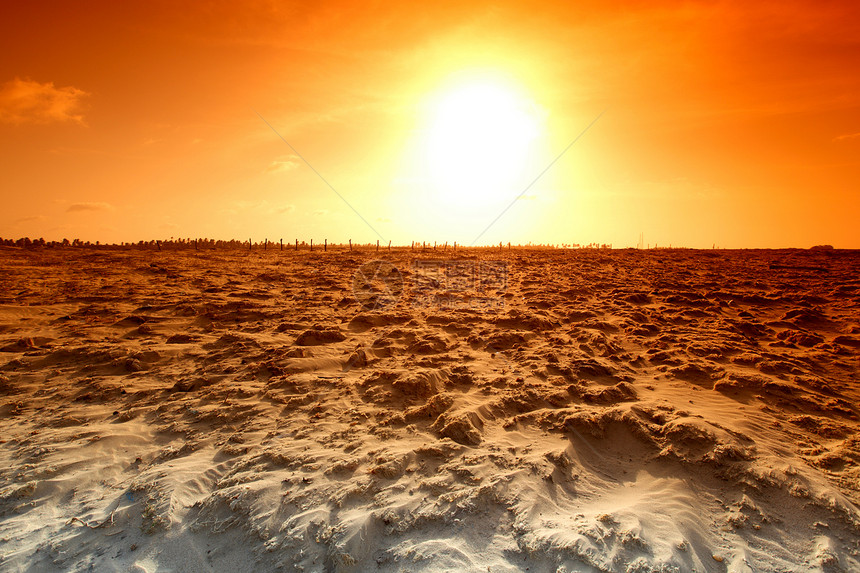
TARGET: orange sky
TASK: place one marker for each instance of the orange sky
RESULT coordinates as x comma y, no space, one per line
723,124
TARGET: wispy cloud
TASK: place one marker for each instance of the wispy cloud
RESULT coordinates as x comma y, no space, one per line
846,137
30,219
244,205
321,212
286,163
89,206
261,206
28,101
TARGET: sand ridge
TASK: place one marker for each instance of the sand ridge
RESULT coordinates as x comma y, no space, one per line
660,410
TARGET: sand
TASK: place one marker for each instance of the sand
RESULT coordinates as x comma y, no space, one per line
514,410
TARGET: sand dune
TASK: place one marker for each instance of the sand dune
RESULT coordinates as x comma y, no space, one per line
662,410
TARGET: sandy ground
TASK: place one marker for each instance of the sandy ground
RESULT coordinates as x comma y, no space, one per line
485,411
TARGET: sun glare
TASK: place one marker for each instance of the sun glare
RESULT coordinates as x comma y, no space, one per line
479,140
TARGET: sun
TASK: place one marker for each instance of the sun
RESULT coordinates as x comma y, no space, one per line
479,140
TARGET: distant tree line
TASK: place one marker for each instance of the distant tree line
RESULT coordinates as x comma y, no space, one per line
27,242
209,244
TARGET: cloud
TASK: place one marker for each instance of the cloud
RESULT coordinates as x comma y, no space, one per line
261,205
287,163
27,101
847,137
89,206
285,209
30,219
321,212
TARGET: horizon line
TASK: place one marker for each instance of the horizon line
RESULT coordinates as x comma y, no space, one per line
204,243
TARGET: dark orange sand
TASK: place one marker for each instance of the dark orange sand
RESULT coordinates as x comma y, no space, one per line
663,410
